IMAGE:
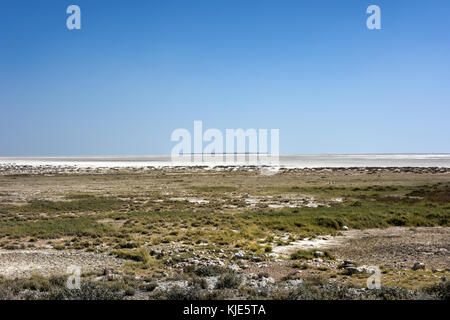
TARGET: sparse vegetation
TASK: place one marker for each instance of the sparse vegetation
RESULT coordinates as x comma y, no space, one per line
80,203
309,254
141,255
53,228
237,218
229,280
209,271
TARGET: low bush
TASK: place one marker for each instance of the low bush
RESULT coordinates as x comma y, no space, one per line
229,280
209,271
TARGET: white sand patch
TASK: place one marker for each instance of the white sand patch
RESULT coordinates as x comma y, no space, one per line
191,200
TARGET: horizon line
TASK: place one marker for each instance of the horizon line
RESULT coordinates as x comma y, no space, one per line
218,154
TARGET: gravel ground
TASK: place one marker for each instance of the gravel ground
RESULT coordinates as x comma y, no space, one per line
24,263
397,247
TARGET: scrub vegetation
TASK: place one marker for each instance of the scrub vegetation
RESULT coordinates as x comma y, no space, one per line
161,222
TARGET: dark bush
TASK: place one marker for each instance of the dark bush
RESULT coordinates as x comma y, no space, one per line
229,280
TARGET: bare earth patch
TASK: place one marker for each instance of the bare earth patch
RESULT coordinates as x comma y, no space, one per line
24,263
396,247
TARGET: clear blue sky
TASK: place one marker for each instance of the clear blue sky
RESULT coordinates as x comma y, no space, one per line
139,69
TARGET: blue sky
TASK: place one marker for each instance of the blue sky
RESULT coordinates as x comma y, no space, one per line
137,70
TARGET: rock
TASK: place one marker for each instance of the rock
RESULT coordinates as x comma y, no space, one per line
234,267
157,253
261,265
318,254
113,277
347,264
293,283
344,228
253,276
239,255
353,270
418,266
256,259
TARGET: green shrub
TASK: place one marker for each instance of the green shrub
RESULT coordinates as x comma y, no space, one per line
440,290
309,254
229,280
87,291
138,255
209,271
178,293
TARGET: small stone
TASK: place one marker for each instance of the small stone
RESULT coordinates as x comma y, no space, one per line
344,228
262,265
234,267
353,270
349,262
318,254
157,253
418,266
